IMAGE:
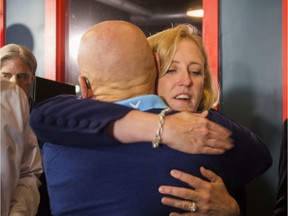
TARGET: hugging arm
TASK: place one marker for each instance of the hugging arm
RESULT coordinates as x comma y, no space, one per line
72,121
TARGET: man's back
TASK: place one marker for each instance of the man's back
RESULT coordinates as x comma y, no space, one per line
121,180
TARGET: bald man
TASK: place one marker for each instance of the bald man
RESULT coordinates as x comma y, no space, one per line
116,179
118,61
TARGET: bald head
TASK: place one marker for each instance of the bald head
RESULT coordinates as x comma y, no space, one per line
116,58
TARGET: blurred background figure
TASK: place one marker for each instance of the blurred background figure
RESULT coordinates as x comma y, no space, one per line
18,65
20,156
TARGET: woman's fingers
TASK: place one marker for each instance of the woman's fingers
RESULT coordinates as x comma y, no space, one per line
210,175
211,197
180,204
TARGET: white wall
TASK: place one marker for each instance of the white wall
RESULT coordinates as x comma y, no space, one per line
25,25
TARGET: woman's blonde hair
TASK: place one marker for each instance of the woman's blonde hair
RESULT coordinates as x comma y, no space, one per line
165,44
11,51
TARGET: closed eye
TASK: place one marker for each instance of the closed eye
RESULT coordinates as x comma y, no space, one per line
170,71
196,73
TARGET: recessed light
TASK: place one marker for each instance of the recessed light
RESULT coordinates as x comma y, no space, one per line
195,13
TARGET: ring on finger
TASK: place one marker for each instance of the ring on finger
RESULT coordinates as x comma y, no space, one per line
193,207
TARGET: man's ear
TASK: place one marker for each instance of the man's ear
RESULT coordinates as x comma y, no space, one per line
85,86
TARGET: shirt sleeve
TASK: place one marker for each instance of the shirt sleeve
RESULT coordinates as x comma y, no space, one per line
72,121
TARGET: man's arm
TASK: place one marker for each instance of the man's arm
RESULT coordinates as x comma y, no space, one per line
250,154
72,121
77,122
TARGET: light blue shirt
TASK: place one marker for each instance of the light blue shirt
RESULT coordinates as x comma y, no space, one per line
144,103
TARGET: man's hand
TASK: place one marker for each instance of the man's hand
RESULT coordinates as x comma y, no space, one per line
211,198
194,133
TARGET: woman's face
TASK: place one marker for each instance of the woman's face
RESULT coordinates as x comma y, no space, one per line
182,85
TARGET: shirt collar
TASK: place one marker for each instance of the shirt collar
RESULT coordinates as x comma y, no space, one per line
143,103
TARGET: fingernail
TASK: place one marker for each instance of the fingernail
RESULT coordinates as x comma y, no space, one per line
162,189
174,173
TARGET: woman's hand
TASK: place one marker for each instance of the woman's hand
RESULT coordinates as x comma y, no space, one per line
211,198
184,131
193,133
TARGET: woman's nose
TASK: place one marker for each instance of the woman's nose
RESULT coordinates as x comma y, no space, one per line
185,79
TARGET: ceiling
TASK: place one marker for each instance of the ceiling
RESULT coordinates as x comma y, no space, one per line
157,12
171,6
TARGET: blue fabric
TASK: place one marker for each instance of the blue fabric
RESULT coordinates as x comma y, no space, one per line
144,103
92,174
70,118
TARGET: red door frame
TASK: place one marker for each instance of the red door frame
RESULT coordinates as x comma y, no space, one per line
210,34
285,58
55,37
2,23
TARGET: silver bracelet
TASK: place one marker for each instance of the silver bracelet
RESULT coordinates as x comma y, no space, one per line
158,136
